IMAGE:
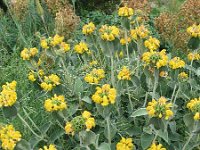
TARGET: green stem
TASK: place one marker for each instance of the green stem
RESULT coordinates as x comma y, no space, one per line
190,137
173,92
27,125
112,70
108,129
156,77
126,40
129,97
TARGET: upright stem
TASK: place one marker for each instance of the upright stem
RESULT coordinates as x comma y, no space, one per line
190,137
156,77
112,70
108,129
126,40
129,97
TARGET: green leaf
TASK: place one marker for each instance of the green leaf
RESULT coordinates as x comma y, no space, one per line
9,112
163,135
188,120
23,145
104,146
139,112
87,138
194,43
146,140
44,128
34,141
87,100
78,86
56,134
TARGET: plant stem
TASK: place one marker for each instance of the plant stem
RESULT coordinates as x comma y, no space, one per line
108,129
27,125
129,97
126,40
156,77
112,70
173,92
190,137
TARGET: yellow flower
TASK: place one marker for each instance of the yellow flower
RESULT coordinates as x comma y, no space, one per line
89,123
8,95
182,75
93,63
124,41
69,129
194,106
81,48
194,30
26,54
104,95
159,108
155,146
176,63
125,12
109,33
50,147
193,56
88,28
65,47
152,44
56,103
125,144
163,74
50,82
95,76
44,44
57,40
139,32
9,137
124,74
155,59
31,76
86,114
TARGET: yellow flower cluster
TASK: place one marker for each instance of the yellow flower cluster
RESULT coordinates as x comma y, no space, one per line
125,11
124,74
139,32
33,75
64,47
160,108
88,28
109,33
176,63
9,137
8,95
152,44
163,74
56,40
194,30
50,82
125,41
26,53
193,56
194,106
95,76
155,146
44,44
155,59
125,144
81,48
104,95
50,147
183,75
89,121
93,63
79,123
56,103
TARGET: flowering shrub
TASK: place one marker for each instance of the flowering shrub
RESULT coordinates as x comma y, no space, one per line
115,82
